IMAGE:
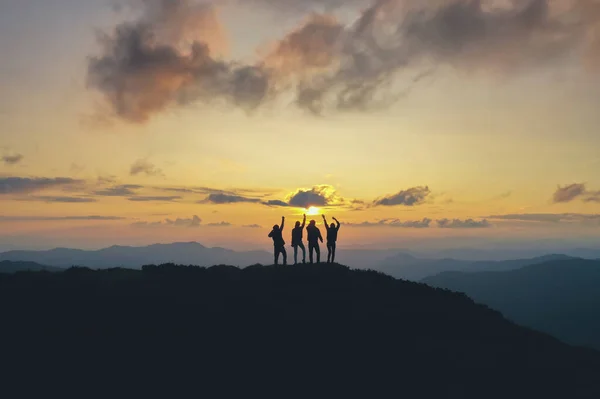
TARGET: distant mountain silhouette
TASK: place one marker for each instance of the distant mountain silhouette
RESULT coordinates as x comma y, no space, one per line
310,331
7,266
561,298
408,267
187,253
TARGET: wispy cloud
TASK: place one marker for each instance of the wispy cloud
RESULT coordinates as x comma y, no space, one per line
143,166
221,199
194,221
462,224
575,191
59,199
548,217
12,159
25,185
416,224
252,226
58,218
219,224
409,197
156,198
124,190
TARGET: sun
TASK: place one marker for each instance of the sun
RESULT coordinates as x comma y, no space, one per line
312,211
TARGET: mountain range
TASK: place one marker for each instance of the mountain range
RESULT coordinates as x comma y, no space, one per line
408,267
185,253
560,297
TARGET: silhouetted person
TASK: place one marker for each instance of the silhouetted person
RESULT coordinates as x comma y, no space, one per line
278,244
332,232
297,240
314,235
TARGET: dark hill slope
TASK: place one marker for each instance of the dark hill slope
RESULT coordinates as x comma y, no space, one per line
7,266
316,329
561,298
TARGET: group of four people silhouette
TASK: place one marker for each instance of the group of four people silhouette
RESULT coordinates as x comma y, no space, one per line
313,235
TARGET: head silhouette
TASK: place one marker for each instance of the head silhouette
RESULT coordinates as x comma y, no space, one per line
297,224
312,222
332,225
275,227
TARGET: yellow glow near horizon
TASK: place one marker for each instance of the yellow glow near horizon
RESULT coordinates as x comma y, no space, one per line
312,211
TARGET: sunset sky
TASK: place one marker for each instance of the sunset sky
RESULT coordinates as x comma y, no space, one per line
135,122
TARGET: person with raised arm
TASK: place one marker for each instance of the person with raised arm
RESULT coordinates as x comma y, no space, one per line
278,243
332,233
314,236
297,240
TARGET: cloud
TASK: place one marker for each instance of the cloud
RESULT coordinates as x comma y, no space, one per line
410,197
574,191
25,185
252,226
194,221
219,224
60,199
592,196
57,218
143,166
416,224
548,217
12,159
170,55
157,198
568,193
462,224
220,199
124,190
321,195
275,203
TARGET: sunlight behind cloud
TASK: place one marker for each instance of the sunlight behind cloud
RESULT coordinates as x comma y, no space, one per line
312,211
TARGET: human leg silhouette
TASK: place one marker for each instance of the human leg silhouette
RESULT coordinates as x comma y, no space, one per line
301,245
311,249
295,254
318,251
333,245
328,252
284,253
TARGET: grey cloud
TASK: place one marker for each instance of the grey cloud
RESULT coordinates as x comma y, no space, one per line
252,226
57,218
24,185
60,199
275,203
12,159
322,195
593,196
145,167
410,197
219,224
220,199
548,217
157,198
194,221
568,193
124,190
462,224
416,224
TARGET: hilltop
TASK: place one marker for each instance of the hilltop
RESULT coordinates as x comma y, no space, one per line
306,327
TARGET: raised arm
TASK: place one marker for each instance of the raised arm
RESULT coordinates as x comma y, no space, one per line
304,221
325,221
338,224
282,223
